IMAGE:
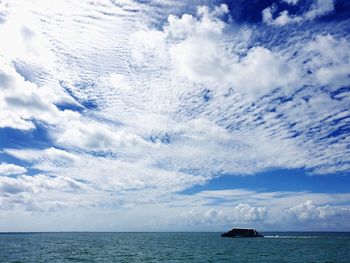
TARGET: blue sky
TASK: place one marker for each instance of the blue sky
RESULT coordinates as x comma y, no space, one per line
164,115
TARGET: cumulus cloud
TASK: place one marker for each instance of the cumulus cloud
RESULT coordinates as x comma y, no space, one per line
11,169
22,101
331,65
310,212
277,210
200,55
317,9
282,19
88,135
241,214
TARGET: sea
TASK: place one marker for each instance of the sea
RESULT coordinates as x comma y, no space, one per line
174,247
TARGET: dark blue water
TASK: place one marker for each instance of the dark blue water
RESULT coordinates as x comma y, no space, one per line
173,247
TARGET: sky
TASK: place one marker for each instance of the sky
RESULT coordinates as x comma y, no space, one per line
165,115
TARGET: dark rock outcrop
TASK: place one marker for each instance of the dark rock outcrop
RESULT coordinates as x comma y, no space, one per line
242,232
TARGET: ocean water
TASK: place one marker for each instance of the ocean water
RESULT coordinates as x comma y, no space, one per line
173,247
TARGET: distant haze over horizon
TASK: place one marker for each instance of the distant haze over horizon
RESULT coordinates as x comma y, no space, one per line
169,115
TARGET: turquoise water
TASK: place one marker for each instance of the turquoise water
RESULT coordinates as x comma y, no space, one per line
173,247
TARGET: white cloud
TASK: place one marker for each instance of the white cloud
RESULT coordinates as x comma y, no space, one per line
38,183
200,55
308,211
11,169
241,214
223,209
331,65
158,104
148,45
42,193
291,2
127,173
51,154
22,101
22,40
140,194
88,135
207,25
317,9
282,19
320,8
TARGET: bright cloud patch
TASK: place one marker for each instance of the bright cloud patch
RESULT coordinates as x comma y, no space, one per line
23,101
197,51
11,169
317,9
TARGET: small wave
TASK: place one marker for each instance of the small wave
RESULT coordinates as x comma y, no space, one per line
291,236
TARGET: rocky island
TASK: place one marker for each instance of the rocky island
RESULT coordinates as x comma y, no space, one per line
242,232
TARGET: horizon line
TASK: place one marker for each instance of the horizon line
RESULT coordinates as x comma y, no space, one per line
85,231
